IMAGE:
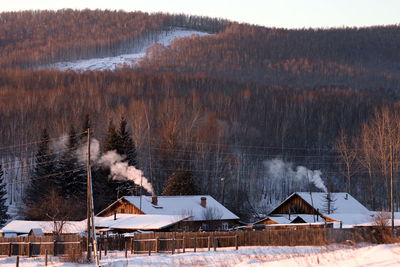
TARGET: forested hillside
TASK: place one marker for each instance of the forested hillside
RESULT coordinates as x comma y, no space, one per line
221,106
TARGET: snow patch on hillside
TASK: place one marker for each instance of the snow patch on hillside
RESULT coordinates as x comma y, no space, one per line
111,63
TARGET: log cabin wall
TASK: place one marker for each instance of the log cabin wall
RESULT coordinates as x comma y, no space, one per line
122,207
294,205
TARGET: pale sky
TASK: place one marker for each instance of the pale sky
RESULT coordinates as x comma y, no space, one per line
277,13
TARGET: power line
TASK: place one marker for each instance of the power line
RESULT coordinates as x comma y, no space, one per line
42,156
39,163
22,181
41,141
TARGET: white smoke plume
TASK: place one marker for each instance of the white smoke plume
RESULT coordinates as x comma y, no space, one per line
122,171
277,169
81,152
60,144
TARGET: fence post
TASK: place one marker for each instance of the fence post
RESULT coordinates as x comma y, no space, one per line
17,263
29,253
105,247
237,242
173,246
194,244
132,245
149,247
9,249
215,243
184,245
46,256
209,243
157,245
54,248
126,250
80,247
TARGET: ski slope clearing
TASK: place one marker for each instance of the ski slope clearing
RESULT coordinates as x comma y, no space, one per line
334,255
111,63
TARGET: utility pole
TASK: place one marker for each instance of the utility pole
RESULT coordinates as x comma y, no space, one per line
88,206
391,186
150,168
91,234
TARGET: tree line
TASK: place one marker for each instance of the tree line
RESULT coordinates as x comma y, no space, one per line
35,38
214,128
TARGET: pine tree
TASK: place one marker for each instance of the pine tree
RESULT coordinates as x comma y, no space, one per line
120,141
329,203
71,184
41,179
112,139
180,183
3,207
126,146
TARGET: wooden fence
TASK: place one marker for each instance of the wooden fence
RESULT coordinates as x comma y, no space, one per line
169,241
32,246
174,242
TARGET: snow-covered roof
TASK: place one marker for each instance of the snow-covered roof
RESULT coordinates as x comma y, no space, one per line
24,227
138,221
307,218
36,231
341,202
183,205
278,219
350,220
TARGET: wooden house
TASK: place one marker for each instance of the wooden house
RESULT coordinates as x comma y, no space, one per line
203,211
315,207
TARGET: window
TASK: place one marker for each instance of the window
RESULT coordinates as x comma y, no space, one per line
122,210
204,226
225,226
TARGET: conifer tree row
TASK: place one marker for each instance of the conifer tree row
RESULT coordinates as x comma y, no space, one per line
3,206
45,165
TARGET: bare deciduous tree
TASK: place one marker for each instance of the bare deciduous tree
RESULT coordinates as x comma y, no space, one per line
347,156
54,208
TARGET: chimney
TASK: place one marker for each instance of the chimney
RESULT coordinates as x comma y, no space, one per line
115,215
154,200
203,202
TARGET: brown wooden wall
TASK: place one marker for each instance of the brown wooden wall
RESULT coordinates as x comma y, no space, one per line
122,207
294,205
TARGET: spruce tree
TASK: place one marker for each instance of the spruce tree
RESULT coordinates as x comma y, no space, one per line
42,179
106,188
126,146
112,139
3,207
120,141
180,183
71,183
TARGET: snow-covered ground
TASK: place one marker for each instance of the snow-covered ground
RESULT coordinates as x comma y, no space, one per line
110,63
333,255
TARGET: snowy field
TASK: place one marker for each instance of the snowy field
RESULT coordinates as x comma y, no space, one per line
333,255
111,63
